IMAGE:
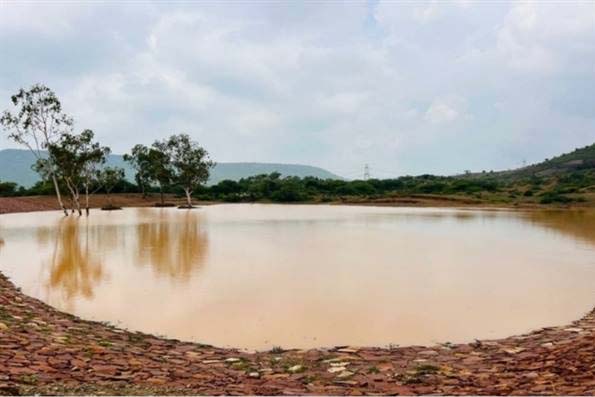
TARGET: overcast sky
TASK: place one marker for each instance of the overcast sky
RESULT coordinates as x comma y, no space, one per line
408,87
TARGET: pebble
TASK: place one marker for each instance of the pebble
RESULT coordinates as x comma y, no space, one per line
295,368
3,326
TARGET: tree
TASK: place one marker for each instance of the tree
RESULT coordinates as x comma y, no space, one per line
77,158
37,123
109,177
141,162
159,166
95,156
191,164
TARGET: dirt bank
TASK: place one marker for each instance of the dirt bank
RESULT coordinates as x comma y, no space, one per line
46,351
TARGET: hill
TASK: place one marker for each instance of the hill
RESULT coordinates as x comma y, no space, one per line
15,166
579,160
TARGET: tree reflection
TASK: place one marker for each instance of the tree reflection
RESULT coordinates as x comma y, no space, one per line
74,270
578,223
174,244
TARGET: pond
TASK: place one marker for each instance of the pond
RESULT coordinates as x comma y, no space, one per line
255,276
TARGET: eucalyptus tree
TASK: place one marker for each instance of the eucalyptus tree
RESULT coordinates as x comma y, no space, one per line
160,167
109,177
38,121
139,160
77,159
190,162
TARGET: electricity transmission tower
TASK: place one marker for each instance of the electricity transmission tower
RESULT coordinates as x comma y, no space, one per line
366,172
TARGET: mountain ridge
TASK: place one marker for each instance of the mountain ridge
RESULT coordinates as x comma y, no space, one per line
15,166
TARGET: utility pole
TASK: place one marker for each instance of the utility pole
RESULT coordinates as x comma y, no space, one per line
366,172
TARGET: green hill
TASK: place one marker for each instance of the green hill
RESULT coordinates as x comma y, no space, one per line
15,166
581,159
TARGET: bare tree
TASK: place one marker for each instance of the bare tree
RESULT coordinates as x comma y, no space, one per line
37,123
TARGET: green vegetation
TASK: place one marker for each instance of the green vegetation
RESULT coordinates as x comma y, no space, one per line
15,166
571,186
560,189
109,177
175,162
75,163
75,160
36,123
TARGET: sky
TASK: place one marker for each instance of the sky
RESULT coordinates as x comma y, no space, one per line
406,87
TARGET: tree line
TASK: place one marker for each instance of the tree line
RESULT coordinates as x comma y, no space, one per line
75,164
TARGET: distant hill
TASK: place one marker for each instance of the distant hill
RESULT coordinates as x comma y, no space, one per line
15,166
578,160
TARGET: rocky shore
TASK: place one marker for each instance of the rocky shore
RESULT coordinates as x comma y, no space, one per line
44,351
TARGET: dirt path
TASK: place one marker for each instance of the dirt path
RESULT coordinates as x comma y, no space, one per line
46,351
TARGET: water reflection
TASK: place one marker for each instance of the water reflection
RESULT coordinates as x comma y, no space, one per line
74,268
173,245
578,224
255,276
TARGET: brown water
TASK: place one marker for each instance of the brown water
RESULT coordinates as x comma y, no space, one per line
257,276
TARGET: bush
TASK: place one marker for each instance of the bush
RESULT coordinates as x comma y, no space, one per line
8,189
554,198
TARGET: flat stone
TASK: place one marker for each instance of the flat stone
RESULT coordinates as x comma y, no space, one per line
573,329
514,350
295,368
339,364
347,350
345,374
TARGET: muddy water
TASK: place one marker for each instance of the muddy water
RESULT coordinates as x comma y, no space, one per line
258,276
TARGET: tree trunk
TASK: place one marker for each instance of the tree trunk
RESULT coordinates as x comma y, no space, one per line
188,197
87,199
161,194
58,195
77,202
75,197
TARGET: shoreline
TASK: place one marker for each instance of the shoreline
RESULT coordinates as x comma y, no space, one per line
45,351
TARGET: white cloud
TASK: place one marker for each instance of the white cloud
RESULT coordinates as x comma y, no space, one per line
326,83
446,110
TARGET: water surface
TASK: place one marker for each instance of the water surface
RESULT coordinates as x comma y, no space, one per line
258,276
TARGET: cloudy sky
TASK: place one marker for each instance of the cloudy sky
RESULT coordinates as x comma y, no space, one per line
407,87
